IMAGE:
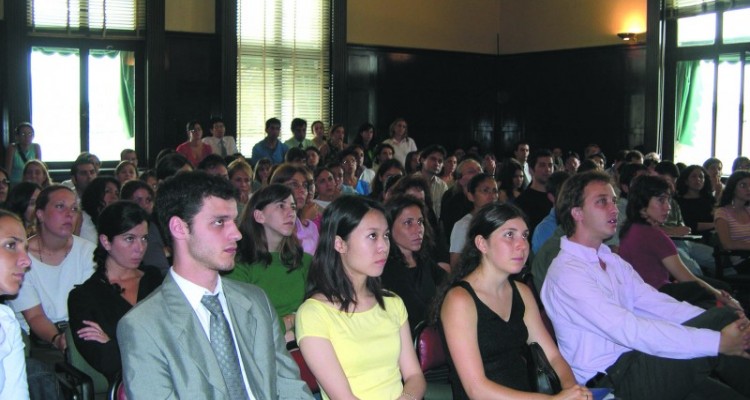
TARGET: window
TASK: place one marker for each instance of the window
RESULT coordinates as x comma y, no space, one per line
711,79
283,65
83,88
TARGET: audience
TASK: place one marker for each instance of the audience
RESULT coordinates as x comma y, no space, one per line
481,190
270,256
61,261
22,202
270,147
336,142
432,164
221,144
353,334
192,334
696,199
732,217
194,149
400,141
411,271
366,138
714,167
21,152
143,195
102,191
487,319
299,179
618,332
521,154
299,131
319,134
126,171
511,181
533,201
36,171
120,280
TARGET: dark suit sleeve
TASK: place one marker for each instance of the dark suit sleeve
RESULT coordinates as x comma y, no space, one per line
83,304
144,369
289,385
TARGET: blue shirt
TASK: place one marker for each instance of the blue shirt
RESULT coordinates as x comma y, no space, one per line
543,231
260,150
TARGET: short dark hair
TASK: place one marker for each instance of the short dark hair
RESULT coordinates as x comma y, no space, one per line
129,188
536,155
183,195
433,148
667,168
295,153
473,184
297,122
571,196
555,182
211,161
169,164
272,121
214,121
633,154
82,159
641,191
630,171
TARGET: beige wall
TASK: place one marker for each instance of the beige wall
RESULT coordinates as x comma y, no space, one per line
456,25
196,16
474,25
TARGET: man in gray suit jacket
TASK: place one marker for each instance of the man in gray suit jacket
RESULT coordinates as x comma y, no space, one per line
165,340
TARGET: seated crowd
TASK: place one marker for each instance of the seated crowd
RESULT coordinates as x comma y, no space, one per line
199,276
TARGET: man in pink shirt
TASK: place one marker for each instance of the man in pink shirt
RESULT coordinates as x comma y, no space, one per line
616,331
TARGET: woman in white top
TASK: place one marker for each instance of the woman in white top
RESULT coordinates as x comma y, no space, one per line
400,140
14,262
61,261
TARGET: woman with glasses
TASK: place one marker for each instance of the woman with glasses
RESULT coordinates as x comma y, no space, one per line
481,190
194,149
269,254
296,178
21,151
349,165
61,261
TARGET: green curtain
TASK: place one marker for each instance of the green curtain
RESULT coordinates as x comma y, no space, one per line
689,92
127,86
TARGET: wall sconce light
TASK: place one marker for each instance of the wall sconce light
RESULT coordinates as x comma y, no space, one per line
628,37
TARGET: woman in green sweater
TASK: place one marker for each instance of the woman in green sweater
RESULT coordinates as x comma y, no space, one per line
269,254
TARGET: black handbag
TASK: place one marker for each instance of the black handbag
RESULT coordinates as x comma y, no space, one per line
542,376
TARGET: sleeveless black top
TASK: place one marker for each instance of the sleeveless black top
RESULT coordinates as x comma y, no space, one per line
502,345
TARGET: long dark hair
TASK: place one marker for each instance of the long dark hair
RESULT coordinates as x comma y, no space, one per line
642,189
20,197
253,247
116,219
92,200
377,185
488,219
727,196
507,173
681,186
327,275
393,208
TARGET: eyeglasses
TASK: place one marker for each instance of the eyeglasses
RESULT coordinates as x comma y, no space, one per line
4,182
294,185
347,162
26,134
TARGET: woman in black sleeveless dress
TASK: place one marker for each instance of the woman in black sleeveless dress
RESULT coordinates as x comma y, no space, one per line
487,319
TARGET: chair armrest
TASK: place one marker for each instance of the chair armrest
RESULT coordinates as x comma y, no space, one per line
76,384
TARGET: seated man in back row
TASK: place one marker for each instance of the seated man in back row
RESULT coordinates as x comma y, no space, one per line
618,332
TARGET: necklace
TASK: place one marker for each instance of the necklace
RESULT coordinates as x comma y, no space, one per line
41,248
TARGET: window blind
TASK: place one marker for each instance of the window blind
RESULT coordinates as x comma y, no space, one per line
283,65
686,8
88,18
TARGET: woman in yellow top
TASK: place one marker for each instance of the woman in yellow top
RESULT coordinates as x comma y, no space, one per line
353,334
